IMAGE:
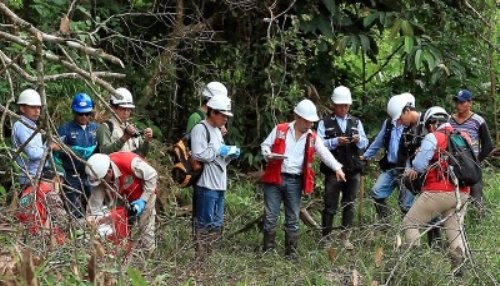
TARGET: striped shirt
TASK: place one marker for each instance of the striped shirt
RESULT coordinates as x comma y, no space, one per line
478,131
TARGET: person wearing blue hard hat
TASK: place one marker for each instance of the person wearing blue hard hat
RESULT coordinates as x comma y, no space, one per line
473,124
80,135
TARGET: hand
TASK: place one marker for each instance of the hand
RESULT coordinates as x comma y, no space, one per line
84,152
148,134
138,206
411,174
355,138
129,130
343,140
339,174
224,150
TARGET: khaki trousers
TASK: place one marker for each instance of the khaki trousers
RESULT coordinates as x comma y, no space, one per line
433,204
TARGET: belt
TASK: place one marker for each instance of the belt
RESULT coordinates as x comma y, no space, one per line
291,176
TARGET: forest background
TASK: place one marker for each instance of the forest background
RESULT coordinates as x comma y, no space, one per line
270,55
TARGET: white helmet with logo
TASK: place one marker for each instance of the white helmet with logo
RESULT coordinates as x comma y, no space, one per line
221,103
341,95
100,163
398,102
29,97
307,110
436,113
126,101
214,88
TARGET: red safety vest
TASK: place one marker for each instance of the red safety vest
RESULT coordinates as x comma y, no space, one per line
437,179
33,210
129,185
272,173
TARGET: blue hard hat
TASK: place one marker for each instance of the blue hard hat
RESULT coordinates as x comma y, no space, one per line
82,103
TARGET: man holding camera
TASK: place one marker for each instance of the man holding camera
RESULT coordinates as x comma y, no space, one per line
117,134
344,136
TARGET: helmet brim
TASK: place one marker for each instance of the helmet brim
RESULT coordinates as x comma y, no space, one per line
227,113
126,105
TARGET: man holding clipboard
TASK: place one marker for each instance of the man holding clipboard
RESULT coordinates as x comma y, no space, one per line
289,152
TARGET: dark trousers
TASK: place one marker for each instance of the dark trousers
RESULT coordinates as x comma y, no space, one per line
333,189
76,196
476,193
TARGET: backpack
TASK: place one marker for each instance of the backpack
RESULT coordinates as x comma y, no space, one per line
186,170
463,160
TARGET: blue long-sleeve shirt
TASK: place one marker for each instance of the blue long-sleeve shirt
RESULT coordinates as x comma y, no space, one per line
31,157
392,153
333,143
73,134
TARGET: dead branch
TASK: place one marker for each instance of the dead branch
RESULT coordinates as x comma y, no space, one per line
55,39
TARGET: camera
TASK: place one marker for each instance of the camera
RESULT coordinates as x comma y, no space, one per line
137,133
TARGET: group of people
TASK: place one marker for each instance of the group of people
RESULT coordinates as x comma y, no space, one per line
91,156
112,154
414,144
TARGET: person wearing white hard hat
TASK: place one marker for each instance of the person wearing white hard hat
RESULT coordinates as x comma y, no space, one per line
397,137
118,134
134,180
209,190
438,197
31,155
210,90
344,135
289,152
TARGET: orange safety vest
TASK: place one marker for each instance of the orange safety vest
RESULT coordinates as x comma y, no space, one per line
129,186
437,179
272,173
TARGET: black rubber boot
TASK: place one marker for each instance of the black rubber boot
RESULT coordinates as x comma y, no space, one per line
269,242
434,238
382,210
326,224
291,240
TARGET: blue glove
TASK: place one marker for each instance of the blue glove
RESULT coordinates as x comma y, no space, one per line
224,150
138,206
84,152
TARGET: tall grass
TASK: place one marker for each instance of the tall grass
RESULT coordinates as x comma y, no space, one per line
239,260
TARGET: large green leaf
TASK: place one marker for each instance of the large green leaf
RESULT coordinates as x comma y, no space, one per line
418,59
409,44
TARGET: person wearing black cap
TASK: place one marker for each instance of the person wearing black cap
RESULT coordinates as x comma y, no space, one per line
467,121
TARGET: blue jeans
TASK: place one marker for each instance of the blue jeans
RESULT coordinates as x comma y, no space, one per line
76,200
289,192
385,185
209,208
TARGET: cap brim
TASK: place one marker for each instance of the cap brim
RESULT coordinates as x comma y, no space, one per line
458,98
94,183
226,113
83,110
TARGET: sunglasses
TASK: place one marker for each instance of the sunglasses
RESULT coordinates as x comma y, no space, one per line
83,114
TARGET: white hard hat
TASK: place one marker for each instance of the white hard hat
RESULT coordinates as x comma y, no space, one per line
126,101
100,163
221,103
341,95
307,110
214,88
29,97
436,113
398,102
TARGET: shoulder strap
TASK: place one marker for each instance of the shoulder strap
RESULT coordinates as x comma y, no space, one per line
206,129
110,125
387,134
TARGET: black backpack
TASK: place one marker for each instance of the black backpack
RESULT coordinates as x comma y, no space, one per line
463,160
186,170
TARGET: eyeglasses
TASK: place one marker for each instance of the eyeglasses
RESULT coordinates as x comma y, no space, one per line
87,114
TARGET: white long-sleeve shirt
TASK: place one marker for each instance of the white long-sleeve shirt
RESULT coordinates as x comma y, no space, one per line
295,148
